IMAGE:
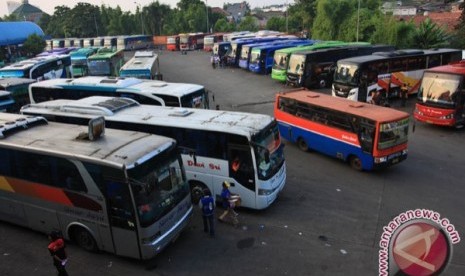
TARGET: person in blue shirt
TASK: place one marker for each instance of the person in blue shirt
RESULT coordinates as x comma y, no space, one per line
229,202
207,204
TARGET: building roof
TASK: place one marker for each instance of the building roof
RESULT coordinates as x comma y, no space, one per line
220,11
447,20
17,32
27,8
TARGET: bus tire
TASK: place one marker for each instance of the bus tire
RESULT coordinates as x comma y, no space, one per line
84,239
355,162
197,189
302,144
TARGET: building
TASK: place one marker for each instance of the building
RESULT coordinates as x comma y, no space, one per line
13,35
237,10
28,12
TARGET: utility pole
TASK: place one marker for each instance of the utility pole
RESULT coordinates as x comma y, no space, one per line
206,7
358,18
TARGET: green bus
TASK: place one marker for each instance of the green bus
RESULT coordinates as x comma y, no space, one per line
282,56
79,60
106,62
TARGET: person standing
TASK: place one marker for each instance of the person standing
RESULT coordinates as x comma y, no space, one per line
404,94
207,204
56,247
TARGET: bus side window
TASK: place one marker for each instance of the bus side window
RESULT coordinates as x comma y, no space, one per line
5,161
240,167
119,204
68,176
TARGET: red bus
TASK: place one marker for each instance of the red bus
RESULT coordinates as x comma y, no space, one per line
192,41
441,97
172,43
364,135
210,40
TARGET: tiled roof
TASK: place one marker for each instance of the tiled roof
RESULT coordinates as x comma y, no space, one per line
447,20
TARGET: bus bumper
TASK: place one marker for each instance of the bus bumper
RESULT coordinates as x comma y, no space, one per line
243,64
278,75
154,248
392,159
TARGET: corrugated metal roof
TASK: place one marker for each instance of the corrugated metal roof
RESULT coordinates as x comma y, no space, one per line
12,33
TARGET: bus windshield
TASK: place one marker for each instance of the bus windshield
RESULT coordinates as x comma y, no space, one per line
99,67
245,52
197,99
158,186
280,61
439,88
255,57
13,74
296,64
346,73
393,133
268,151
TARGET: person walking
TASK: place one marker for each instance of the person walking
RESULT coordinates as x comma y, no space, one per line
207,205
56,247
229,202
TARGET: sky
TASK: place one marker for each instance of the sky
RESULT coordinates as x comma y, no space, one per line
130,5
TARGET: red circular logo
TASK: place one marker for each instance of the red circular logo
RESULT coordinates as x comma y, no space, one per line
421,249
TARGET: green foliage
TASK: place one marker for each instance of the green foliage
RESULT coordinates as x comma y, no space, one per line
222,25
34,44
276,24
430,35
331,16
248,23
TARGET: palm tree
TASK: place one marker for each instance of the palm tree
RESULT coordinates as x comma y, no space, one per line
430,35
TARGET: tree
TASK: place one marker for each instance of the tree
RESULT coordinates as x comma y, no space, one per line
430,35
457,39
222,25
330,18
276,24
34,44
248,23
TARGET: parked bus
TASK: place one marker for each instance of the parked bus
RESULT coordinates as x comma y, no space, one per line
143,65
125,194
210,140
18,89
57,51
172,43
88,42
282,56
237,35
191,41
39,68
210,40
151,92
110,42
221,49
134,42
364,135
106,62
261,58
79,61
316,68
441,96
359,77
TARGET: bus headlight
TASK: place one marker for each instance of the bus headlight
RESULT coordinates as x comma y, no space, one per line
380,159
264,192
404,152
447,117
351,93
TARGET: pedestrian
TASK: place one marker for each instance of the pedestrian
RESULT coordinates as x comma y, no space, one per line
56,248
404,94
207,205
229,202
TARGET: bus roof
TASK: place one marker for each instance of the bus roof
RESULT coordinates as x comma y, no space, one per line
241,123
105,53
365,110
392,54
142,60
9,82
123,84
452,68
28,63
83,52
117,147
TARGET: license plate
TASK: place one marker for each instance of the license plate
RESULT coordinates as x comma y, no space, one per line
395,160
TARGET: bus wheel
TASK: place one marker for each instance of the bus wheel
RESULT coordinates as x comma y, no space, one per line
303,146
84,239
355,163
197,189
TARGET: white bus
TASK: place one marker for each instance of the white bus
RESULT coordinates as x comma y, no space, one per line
151,92
124,193
39,68
143,65
210,141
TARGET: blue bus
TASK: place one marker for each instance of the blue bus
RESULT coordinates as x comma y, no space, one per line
244,58
18,91
6,101
39,68
262,57
134,42
236,46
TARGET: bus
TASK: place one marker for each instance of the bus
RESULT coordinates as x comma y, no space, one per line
315,69
366,136
39,68
110,42
209,141
441,96
191,41
151,92
18,89
79,61
57,51
261,57
282,56
105,62
7,103
88,42
172,43
143,65
359,78
134,42
210,40
124,193
236,35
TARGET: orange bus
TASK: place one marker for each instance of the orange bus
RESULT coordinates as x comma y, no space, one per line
191,41
172,43
364,135
441,96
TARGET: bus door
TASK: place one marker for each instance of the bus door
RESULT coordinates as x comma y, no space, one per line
242,171
366,134
122,219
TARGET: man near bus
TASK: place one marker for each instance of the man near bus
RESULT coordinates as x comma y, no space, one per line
404,94
57,250
207,204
